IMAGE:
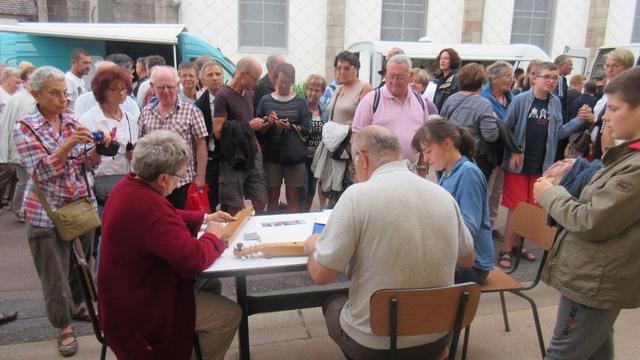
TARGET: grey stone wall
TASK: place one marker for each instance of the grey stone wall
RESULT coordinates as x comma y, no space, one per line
335,34
472,21
597,24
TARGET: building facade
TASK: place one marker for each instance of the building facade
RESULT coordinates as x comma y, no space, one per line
311,33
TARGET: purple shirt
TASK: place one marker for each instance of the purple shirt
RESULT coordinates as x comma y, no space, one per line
402,118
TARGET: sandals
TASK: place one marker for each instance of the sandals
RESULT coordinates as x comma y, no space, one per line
527,255
4,318
504,259
82,315
68,349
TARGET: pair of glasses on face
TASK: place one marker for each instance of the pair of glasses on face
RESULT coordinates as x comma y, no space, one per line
549,78
167,87
182,177
60,94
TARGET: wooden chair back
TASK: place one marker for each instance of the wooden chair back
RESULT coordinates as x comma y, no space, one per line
530,222
423,311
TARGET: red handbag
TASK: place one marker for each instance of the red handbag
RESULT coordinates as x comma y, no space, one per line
198,200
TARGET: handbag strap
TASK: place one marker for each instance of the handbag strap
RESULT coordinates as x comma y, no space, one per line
36,185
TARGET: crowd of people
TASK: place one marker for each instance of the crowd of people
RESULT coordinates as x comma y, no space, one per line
135,151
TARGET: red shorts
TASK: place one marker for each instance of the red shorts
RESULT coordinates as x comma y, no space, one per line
517,188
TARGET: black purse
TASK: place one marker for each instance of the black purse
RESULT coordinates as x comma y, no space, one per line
292,147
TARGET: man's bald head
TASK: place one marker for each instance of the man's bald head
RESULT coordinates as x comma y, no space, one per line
104,64
248,71
380,144
247,64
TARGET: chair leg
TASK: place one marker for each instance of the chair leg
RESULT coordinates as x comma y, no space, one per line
465,343
103,352
536,320
505,317
196,347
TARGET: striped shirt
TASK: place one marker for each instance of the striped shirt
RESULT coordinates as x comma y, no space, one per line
184,119
61,182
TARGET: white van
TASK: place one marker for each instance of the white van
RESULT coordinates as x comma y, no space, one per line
372,55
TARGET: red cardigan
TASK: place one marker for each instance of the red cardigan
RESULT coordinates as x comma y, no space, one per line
148,259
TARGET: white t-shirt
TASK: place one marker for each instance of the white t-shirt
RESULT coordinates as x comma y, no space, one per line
430,91
142,92
75,86
127,131
395,239
4,99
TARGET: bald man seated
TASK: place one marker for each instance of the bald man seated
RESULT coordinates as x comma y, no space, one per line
389,211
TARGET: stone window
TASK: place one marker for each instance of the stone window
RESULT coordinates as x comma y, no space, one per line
532,21
403,20
263,26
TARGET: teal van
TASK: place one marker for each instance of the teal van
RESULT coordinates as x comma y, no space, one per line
52,43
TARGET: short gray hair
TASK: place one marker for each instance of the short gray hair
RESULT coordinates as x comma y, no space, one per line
498,68
206,65
380,143
401,59
154,72
160,152
9,72
44,74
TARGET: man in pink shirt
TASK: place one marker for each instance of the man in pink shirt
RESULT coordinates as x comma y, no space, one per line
395,106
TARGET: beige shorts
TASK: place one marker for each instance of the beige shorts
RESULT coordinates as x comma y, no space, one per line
293,175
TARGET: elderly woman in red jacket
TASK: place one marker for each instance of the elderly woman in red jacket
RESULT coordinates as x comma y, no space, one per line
149,258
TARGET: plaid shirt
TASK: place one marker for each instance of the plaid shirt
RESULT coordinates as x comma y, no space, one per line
61,182
184,119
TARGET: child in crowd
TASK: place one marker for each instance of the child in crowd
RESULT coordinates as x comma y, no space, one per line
535,119
448,148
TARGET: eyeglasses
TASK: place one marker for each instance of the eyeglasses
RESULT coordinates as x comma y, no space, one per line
178,175
59,94
397,78
118,91
612,66
283,83
549,78
255,78
345,68
166,87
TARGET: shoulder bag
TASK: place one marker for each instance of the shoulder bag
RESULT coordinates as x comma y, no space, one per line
74,219
292,147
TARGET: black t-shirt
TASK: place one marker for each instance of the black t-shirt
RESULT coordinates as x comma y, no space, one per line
536,137
232,105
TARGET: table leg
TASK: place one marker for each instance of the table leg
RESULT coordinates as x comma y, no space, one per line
243,331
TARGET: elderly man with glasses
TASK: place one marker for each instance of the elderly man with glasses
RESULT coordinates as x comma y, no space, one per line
181,117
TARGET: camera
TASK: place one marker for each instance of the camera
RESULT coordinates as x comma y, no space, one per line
98,136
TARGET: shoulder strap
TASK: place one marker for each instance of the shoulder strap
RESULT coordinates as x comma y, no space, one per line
376,100
36,186
420,99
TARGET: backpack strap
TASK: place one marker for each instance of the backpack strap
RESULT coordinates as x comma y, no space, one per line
376,100
420,99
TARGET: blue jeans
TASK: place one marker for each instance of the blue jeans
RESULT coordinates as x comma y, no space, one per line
470,274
